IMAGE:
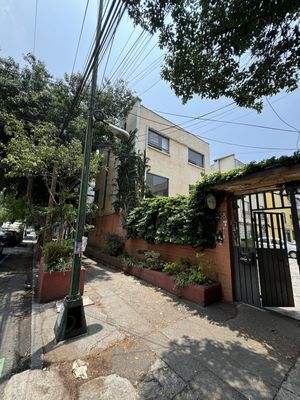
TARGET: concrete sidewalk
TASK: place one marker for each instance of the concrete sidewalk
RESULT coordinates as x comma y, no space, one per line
143,343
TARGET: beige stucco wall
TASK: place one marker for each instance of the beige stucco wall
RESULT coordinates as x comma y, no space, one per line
226,164
173,165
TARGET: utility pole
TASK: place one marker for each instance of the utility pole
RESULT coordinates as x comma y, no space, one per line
71,319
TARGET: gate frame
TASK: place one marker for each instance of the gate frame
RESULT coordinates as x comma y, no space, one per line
291,190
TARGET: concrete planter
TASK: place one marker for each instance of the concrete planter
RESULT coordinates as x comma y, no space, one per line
200,294
55,285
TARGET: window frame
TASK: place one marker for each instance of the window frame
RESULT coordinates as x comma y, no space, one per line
197,153
157,147
159,176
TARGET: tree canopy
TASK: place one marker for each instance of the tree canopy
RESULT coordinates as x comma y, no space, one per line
243,50
40,168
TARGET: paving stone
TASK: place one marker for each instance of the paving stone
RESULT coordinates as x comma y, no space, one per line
151,390
111,387
171,383
284,394
36,384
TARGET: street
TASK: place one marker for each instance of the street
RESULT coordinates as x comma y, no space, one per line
15,310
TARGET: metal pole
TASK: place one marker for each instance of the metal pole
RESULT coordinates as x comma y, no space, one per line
71,319
74,287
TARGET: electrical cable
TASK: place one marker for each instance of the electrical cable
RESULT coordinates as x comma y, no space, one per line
147,90
79,39
229,122
35,25
145,72
286,123
108,23
120,54
223,142
124,60
130,55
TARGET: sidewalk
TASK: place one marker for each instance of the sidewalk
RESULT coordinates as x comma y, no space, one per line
143,343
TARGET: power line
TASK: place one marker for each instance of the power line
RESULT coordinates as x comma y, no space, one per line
114,12
120,54
147,90
200,116
145,72
282,120
35,25
220,141
79,39
229,122
112,42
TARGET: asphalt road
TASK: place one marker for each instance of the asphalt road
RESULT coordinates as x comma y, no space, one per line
15,310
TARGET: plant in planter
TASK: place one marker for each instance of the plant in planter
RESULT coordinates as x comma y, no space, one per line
130,261
185,273
55,271
115,244
57,256
151,258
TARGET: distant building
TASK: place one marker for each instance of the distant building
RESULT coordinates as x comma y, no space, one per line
176,158
226,163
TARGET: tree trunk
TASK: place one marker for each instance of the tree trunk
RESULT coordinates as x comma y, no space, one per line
49,218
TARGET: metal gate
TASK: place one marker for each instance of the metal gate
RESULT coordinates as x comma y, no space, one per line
261,265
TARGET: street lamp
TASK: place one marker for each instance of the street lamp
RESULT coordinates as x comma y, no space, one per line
71,319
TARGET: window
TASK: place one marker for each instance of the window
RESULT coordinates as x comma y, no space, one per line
158,185
158,141
196,158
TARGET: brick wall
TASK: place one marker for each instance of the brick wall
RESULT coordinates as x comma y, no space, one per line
220,255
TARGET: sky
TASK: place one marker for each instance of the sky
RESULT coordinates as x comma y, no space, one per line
58,26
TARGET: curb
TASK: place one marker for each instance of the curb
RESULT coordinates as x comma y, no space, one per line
36,344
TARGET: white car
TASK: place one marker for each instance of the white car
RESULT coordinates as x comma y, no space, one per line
291,247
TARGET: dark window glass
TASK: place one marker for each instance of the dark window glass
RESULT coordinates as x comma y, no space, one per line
196,158
158,185
158,141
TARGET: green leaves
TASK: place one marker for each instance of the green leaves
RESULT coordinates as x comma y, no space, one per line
181,220
242,50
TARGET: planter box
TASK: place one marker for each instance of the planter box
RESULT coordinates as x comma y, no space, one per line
200,294
55,285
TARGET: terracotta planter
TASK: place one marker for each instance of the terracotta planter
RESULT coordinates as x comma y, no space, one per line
55,285
200,294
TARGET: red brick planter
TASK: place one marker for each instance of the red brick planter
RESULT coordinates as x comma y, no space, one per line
200,294
55,285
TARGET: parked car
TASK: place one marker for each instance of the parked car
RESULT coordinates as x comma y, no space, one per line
10,238
275,243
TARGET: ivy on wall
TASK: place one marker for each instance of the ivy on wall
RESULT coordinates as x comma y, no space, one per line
181,220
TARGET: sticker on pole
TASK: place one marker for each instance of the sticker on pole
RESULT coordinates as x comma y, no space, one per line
78,248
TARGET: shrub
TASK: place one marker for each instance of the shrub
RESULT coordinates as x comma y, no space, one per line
115,244
173,268
57,256
185,273
130,261
152,260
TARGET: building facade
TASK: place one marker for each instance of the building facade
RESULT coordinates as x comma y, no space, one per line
226,163
177,159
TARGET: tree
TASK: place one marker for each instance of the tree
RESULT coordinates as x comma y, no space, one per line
33,150
243,50
131,171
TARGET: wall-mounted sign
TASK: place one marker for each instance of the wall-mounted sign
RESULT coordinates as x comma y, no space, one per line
211,201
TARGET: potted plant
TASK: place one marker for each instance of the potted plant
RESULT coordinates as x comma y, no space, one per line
55,271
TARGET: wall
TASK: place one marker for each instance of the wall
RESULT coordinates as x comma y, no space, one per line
220,255
173,165
225,164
